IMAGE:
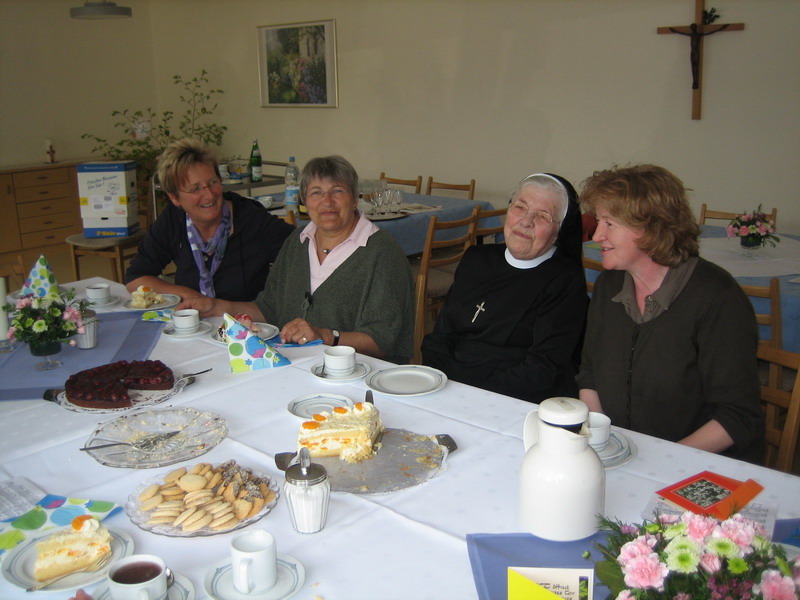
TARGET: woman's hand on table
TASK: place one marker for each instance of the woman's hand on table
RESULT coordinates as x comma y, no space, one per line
81,595
300,331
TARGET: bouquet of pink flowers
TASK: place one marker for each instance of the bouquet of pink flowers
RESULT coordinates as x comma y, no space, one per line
755,226
46,319
692,557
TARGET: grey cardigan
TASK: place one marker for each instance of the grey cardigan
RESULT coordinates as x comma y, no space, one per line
371,292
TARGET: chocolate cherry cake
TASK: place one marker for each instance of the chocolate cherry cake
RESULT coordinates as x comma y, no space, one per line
107,386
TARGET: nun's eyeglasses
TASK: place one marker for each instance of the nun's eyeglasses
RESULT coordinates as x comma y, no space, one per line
541,217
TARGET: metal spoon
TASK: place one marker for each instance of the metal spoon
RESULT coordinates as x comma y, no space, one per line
143,444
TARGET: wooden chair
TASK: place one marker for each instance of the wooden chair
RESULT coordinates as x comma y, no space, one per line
432,283
117,249
482,232
781,406
415,183
438,185
706,213
592,265
773,320
289,218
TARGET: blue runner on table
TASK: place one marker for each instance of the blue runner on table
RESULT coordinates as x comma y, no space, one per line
120,336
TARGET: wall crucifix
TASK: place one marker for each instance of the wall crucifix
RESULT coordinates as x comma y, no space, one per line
701,27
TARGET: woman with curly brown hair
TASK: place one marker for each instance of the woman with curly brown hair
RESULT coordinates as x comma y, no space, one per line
670,347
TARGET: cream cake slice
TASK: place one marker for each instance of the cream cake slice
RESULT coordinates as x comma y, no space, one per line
79,548
348,433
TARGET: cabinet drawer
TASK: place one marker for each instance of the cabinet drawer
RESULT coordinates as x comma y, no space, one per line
47,207
42,177
42,192
44,222
44,238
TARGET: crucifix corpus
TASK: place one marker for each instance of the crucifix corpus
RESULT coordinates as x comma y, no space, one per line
701,27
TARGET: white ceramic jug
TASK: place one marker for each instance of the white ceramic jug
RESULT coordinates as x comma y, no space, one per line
562,481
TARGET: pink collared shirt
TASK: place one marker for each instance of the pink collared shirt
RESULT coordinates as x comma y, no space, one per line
357,238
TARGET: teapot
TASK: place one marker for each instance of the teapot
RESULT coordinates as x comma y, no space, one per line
562,481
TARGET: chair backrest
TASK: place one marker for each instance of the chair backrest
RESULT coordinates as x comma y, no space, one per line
592,265
706,213
458,245
415,183
772,319
781,405
289,218
465,187
484,213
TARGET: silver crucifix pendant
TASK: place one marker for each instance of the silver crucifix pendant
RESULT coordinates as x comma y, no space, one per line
480,310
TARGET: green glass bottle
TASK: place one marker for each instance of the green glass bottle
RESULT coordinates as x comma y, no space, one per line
256,172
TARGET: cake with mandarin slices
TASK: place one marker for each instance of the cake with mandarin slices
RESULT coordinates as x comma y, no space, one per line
145,297
84,546
346,432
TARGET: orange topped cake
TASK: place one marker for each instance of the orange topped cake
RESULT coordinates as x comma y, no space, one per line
79,548
348,433
145,297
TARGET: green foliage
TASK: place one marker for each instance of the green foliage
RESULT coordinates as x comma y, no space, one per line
147,133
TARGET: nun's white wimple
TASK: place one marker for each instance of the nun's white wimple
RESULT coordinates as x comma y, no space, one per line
561,185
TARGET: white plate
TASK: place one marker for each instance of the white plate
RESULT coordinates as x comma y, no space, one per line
17,566
139,399
291,577
359,371
386,217
266,331
620,451
203,329
170,300
200,432
140,518
181,589
112,300
407,380
306,406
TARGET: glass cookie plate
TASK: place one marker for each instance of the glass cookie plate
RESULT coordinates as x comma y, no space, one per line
199,431
139,517
139,399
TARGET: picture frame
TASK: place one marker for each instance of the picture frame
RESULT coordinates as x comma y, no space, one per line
297,65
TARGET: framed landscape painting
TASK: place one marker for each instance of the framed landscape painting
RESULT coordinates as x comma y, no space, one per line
297,64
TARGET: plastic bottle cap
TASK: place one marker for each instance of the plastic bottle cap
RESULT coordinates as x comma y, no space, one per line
563,411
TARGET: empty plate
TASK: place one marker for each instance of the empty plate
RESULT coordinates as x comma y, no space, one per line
407,380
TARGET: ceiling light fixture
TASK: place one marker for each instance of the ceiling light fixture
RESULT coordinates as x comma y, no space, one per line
100,10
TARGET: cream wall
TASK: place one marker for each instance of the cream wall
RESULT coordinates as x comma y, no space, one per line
490,89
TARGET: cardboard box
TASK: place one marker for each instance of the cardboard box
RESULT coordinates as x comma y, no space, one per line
108,189
111,226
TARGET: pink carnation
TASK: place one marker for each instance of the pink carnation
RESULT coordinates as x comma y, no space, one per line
73,343
71,314
744,230
763,230
24,302
625,595
775,586
731,231
645,572
739,530
698,527
668,519
710,563
11,332
641,546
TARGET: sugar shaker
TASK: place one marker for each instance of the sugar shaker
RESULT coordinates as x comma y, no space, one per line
307,491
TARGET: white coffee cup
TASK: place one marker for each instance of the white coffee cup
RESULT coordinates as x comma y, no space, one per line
254,561
186,320
99,292
266,201
340,361
599,429
138,577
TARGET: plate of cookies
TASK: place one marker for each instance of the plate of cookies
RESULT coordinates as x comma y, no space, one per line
202,500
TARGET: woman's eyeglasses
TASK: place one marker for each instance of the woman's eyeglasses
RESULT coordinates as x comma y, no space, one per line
197,189
541,217
335,194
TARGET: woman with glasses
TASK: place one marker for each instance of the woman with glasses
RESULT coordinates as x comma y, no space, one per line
341,279
671,338
513,319
222,244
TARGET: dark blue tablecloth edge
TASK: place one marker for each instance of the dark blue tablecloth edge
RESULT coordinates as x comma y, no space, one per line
140,341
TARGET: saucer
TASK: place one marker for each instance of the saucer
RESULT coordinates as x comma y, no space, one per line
203,329
111,301
359,371
181,589
291,577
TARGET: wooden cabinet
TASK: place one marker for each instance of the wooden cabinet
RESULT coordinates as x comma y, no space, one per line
39,206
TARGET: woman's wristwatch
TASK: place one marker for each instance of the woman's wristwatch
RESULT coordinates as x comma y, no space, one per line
336,336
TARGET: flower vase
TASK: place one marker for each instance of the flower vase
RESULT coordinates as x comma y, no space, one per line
751,241
45,348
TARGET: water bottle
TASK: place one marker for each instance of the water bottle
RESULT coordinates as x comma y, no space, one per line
292,194
256,172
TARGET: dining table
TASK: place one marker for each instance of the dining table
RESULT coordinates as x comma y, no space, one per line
750,267
407,543
410,225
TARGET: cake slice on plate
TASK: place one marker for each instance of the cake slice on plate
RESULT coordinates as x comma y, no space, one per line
84,546
348,433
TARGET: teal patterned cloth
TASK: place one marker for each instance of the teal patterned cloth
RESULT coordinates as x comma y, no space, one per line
247,351
162,316
41,281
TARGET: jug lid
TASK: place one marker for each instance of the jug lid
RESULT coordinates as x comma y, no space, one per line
563,412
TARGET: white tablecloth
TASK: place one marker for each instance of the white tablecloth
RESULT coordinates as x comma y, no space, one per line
407,544
767,261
